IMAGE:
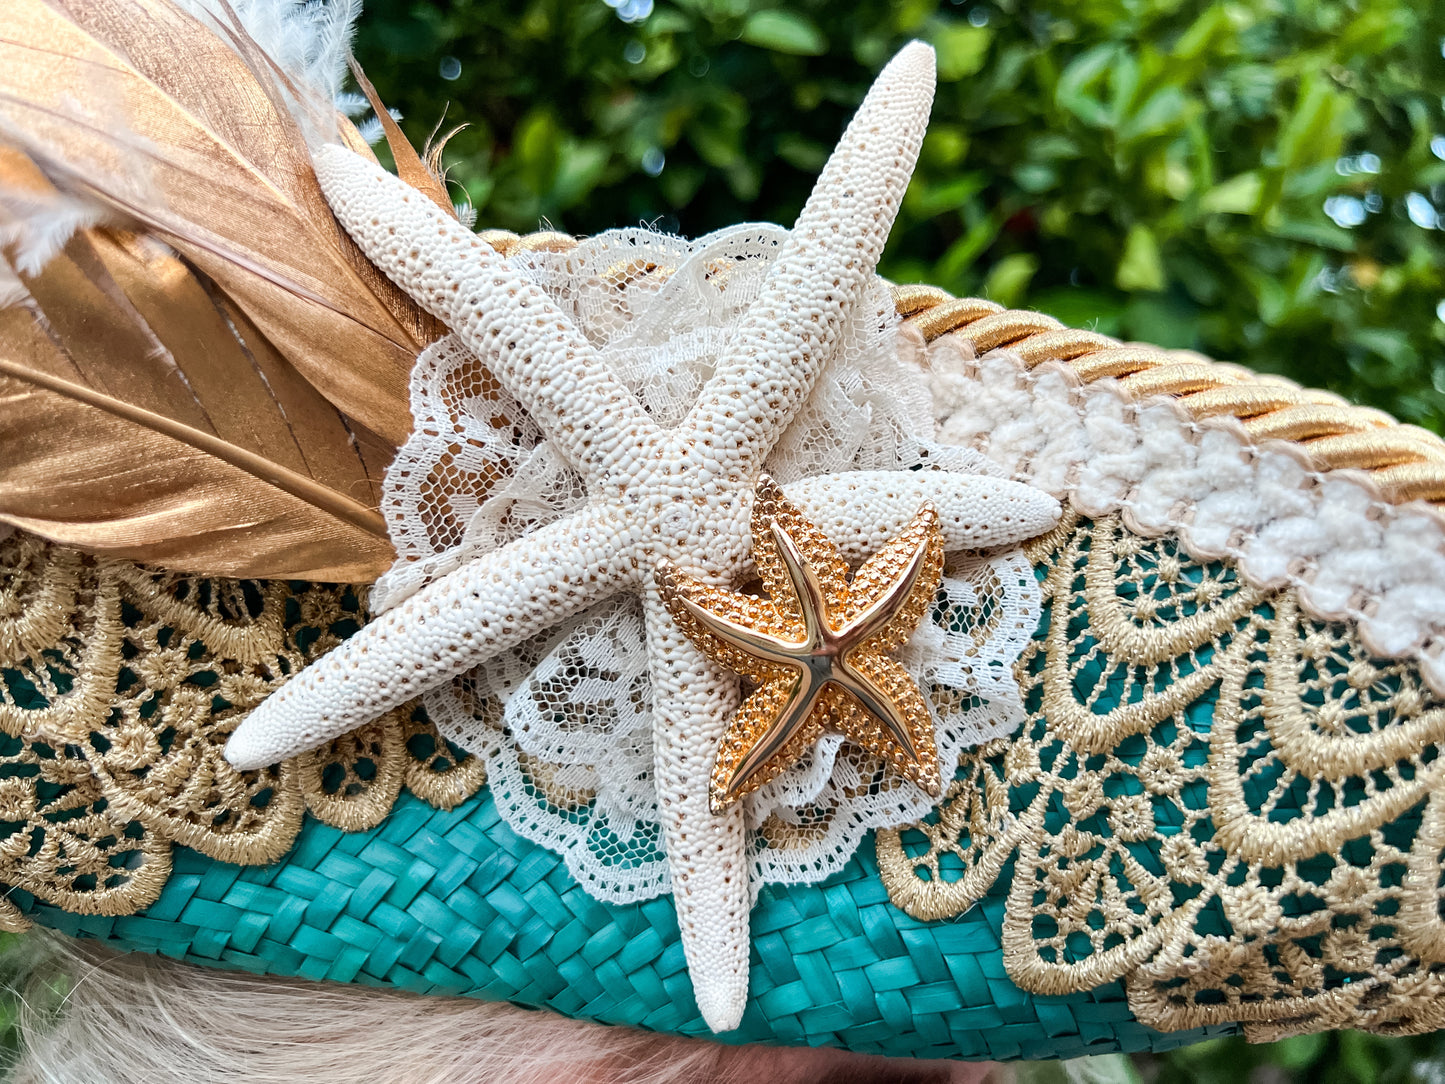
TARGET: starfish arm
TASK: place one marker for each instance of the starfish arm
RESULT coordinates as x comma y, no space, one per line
732,640
706,853
877,703
451,625
806,587
769,727
772,510
792,328
860,511
899,582
509,323
898,725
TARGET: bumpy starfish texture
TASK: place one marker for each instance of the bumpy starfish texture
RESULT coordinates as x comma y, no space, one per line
817,647
653,493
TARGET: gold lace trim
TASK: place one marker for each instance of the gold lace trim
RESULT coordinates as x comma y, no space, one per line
118,687
1226,804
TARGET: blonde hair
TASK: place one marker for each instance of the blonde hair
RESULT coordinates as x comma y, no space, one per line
91,1015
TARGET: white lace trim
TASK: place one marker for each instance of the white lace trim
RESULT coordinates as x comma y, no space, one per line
564,720
1351,555
569,760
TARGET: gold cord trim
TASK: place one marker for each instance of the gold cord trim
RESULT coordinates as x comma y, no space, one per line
1407,463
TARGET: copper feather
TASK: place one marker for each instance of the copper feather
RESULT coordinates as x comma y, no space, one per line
218,387
142,415
139,105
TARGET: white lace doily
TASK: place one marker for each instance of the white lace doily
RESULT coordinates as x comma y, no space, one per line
564,720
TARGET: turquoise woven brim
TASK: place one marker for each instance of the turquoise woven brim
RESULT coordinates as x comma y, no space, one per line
456,903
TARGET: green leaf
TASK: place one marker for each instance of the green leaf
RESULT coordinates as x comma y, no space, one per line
806,154
1359,1055
1009,280
1036,177
680,184
717,146
1316,128
784,32
536,138
960,255
1165,109
944,145
1313,231
1140,268
961,49
909,14
1204,34
932,201
1388,343
1161,319
1078,306
579,169
1299,1052
1239,195
1083,72
744,179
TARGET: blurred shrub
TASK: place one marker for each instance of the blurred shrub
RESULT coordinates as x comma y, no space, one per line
1345,1057
1342,1057
1261,180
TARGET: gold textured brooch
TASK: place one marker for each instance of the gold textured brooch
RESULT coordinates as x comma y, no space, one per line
818,646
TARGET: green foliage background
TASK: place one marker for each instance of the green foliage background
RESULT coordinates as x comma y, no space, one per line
1155,169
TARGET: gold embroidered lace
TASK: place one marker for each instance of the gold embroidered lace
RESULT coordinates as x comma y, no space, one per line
1226,804
117,689
1222,802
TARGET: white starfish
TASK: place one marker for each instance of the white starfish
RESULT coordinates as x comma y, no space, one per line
683,494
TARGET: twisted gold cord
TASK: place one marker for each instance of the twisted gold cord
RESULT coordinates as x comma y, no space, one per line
1407,462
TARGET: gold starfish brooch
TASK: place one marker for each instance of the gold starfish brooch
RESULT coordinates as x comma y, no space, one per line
817,647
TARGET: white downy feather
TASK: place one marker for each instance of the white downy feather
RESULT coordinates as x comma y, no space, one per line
309,40
34,226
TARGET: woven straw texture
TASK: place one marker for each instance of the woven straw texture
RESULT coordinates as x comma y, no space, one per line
455,903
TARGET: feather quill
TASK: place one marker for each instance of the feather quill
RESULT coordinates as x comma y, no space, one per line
143,417
203,151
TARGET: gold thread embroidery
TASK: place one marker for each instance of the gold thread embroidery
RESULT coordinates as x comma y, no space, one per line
434,773
118,687
353,782
1228,805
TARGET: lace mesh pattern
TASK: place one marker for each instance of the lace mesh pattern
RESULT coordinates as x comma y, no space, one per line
118,688
1230,805
564,721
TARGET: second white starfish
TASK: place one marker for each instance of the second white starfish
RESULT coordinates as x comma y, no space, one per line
681,494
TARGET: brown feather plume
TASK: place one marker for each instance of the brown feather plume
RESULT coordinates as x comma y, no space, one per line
140,106
409,165
219,387
141,415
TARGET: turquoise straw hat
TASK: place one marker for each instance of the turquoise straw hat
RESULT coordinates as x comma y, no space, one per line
1044,696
